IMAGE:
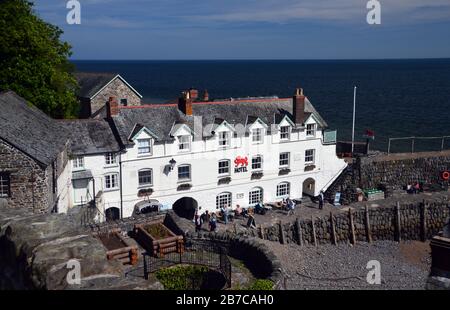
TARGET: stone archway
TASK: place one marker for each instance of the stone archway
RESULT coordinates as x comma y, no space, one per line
185,207
309,187
112,214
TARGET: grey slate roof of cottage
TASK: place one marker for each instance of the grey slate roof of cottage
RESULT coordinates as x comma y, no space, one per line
90,136
29,129
92,82
161,118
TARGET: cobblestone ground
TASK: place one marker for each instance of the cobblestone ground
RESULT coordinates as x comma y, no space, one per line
403,266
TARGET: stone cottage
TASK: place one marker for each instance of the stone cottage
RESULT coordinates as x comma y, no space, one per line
96,88
34,170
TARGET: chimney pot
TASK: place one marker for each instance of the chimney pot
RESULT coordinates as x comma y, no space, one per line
206,95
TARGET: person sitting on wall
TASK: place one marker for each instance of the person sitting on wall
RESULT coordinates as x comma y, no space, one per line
251,223
290,206
224,213
259,209
416,188
409,189
238,211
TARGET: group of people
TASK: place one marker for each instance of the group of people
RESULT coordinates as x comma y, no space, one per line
413,189
211,218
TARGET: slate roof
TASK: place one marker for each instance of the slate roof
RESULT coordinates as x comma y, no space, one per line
91,82
29,129
90,136
161,118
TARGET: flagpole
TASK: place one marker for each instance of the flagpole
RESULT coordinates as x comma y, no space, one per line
353,127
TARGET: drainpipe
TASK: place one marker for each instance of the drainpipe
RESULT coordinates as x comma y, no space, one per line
121,194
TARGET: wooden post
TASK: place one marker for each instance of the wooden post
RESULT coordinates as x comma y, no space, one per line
352,227
398,229
282,239
368,230
313,231
299,232
235,228
333,229
261,232
423,222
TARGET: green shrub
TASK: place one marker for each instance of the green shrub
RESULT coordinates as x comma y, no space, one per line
261,285
179,277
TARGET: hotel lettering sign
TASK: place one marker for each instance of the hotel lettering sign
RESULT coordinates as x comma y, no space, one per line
240,164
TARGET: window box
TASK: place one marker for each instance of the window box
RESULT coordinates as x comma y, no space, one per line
184,187
145,192
310,167
257,175
225,180
284,171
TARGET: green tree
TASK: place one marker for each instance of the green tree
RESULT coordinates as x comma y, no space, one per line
34,61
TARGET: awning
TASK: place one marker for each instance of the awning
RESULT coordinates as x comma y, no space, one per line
82,175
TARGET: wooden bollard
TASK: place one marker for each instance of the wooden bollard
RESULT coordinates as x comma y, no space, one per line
398,229
423,222
367,222
282,239
333,229
261,232
299,232
352,226
313,231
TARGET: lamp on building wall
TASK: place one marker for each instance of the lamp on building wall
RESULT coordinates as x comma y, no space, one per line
172,163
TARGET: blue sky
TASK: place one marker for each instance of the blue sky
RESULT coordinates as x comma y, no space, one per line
253,29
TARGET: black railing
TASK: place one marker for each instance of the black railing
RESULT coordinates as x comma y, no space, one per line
203,253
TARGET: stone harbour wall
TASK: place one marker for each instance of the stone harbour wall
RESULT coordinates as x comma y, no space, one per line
415,221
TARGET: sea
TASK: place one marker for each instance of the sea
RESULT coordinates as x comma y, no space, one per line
394,98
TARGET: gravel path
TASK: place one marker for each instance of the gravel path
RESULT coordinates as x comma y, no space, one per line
403,266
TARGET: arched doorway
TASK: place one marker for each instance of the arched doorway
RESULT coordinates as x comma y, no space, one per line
309,187
112,214
185,207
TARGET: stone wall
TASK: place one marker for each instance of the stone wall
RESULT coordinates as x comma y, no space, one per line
413,221
116,89
31,184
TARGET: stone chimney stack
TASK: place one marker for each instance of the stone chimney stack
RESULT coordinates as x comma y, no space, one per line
185,103
206,95
298,109
112,107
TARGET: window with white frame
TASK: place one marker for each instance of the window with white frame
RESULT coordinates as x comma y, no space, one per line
224,139
283,189
311,129
257,135
5,185
78,162
257,162
184,143
284,160
112,181
144,146
255,196
184,173
223,200
285,133
110,159
224,167
145,177
309,156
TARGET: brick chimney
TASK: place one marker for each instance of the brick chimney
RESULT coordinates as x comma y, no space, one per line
112,107
206,95
298,109
185,103
193,94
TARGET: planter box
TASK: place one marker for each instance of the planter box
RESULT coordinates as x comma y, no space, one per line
157,239
440,256
118,248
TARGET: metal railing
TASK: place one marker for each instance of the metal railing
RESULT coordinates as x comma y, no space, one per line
413,141
204,253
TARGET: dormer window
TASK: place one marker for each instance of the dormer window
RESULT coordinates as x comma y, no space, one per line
184,143
224,139
78,163
257,135
311,130
144,146
285,133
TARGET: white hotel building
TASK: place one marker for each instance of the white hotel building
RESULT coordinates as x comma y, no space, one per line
202,154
